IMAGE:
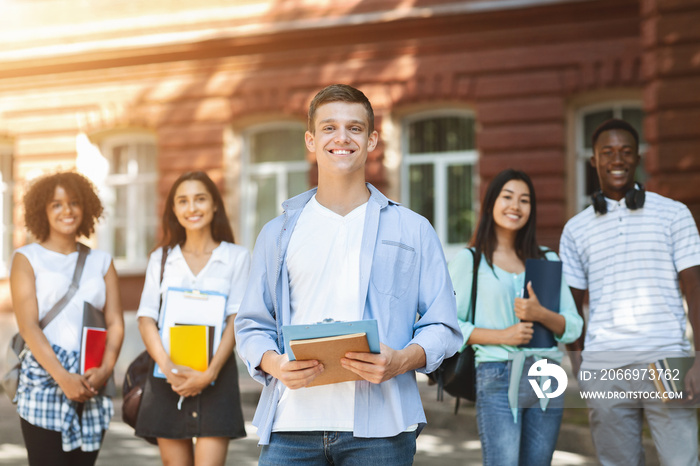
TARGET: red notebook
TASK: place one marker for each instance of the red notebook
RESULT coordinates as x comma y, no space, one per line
92,348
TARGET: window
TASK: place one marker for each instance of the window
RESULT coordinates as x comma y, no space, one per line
6,206
130,199
275,170
587,120
438,173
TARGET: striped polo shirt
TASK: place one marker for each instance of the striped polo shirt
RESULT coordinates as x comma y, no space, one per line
629,261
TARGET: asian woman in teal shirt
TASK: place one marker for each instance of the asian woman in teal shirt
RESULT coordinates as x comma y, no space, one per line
515,427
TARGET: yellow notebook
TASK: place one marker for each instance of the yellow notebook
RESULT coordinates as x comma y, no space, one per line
189,346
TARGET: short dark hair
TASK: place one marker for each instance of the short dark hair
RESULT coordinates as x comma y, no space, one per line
174,233
340,93
41,192
484,238
614,123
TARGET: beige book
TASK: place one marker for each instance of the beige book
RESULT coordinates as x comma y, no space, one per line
328,351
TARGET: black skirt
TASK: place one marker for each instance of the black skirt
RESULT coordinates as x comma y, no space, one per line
216,412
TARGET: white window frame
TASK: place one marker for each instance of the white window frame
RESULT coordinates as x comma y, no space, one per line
137,251
583,154
280,170
440,161
6,206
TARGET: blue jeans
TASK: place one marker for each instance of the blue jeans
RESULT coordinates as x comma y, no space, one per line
337,448
504,442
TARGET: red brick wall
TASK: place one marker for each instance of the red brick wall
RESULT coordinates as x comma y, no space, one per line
671,40
517,69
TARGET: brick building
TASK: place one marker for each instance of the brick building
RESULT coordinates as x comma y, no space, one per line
134,93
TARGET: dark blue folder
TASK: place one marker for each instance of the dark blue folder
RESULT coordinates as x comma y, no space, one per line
546,282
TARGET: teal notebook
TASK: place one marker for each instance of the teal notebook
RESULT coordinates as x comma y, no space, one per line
331,329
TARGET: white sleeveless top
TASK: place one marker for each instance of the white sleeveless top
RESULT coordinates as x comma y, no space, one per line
53,273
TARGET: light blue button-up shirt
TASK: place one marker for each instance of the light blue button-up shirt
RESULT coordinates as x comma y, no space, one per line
404,285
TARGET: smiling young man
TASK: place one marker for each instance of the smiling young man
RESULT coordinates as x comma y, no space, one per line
631,250
344,251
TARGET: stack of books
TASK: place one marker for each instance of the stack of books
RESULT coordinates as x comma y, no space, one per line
669,375
329,351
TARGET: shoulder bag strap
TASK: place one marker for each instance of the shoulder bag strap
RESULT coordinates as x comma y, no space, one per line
83,251
164,257
475,275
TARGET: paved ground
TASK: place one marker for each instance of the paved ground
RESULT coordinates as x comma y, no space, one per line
447,441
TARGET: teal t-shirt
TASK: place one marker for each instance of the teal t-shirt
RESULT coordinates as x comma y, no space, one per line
496,293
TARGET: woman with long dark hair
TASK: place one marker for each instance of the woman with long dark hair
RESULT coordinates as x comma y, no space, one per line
188,403
515,426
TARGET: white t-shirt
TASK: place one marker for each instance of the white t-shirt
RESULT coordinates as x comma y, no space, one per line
53,272
226,272
323,260
629,261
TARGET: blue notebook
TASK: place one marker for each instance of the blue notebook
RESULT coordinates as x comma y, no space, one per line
545,276
331,329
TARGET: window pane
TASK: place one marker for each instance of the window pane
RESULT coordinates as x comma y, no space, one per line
120,159
442,134
279,145
297,183
146,158
147,214
635,117
121,204
422,189
590,122
265,200
120,242
460,216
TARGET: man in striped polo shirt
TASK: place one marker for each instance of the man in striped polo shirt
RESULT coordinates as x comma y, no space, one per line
631,250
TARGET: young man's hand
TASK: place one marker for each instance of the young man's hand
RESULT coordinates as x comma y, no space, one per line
293,374
377,368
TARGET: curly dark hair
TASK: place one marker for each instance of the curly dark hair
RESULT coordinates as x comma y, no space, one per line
41,192
174,233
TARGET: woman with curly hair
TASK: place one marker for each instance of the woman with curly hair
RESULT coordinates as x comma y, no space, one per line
189,404
62,414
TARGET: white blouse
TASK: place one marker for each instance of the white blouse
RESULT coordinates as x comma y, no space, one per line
53,272
226,273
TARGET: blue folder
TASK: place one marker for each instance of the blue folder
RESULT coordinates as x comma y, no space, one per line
545,276
331,329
